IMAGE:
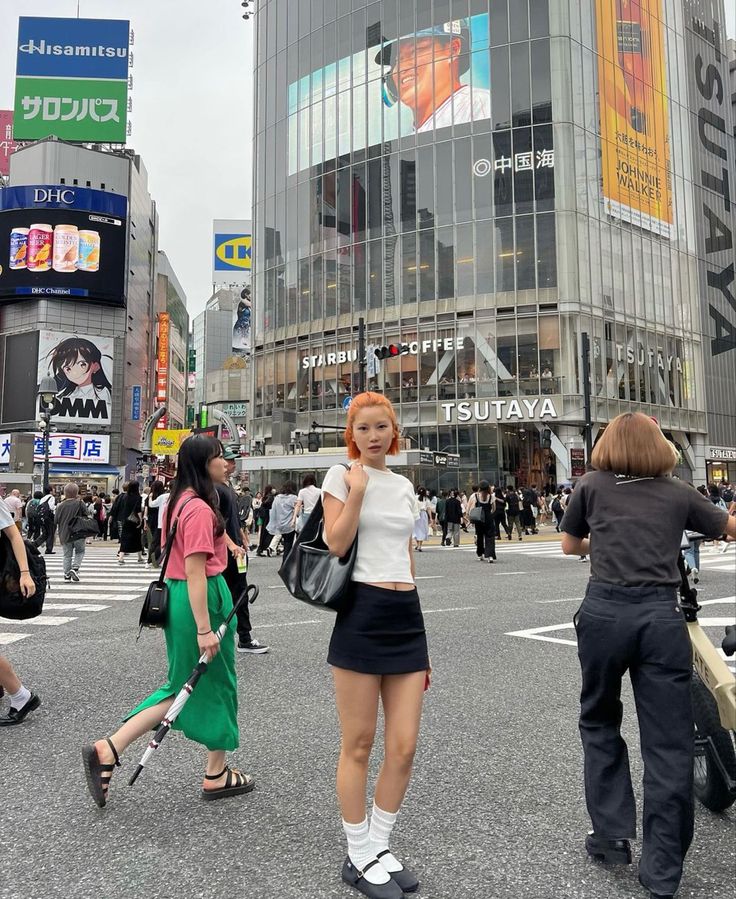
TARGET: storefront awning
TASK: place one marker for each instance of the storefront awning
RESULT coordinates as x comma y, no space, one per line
87,471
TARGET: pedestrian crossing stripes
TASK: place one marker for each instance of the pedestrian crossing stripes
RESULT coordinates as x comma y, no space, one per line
102,585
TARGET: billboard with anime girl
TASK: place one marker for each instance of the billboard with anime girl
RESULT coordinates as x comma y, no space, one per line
82,367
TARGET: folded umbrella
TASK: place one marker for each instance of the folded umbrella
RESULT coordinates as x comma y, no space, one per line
186,691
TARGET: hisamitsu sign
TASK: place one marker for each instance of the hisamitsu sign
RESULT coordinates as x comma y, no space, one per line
72,79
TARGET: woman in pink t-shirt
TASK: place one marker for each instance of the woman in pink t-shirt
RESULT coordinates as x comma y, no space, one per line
199,602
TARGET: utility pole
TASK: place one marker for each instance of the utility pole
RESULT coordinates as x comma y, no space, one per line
585,369
361,355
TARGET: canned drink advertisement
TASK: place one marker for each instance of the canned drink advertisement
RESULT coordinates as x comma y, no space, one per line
49,246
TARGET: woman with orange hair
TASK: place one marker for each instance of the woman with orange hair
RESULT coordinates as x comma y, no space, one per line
378,651
629,515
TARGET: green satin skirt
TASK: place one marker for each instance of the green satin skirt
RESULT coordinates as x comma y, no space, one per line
210,715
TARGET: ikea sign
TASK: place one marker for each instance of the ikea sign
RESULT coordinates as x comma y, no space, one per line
232,253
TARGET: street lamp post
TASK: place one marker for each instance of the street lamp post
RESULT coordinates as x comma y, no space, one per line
46,394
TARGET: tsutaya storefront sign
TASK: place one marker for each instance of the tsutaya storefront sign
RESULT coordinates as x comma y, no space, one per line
511,410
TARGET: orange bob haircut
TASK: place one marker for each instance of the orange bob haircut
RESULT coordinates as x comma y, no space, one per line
365,401
632,444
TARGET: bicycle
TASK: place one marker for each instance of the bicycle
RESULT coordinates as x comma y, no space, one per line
714,706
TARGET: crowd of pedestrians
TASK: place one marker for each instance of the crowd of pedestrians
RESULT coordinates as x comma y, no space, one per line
378,650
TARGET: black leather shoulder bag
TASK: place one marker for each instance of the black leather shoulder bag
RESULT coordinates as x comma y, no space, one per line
310,573
156,604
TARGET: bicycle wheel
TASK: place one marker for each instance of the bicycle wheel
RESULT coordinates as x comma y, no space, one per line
709,785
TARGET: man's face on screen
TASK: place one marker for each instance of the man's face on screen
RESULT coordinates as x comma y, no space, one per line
424,68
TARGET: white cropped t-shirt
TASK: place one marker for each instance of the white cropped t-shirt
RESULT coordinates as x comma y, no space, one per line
385,526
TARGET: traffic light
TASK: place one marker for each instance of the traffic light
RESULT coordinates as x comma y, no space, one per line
313,442
546,439
393,349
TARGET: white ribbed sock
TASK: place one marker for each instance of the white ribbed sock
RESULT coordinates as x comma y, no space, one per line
359,851
19,699
382,823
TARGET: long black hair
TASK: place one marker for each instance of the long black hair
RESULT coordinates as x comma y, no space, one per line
66,353
195,454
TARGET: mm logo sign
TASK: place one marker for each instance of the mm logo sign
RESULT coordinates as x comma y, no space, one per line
233,253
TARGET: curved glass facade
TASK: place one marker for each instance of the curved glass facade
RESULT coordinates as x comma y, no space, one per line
482,181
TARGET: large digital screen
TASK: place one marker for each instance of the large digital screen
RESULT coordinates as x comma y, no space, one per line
82,366
60,241
635,137
429,79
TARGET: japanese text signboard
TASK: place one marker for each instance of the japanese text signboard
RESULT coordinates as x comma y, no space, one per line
90,449
7,144
162,364
72,79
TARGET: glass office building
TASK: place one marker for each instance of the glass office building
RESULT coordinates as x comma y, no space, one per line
484,182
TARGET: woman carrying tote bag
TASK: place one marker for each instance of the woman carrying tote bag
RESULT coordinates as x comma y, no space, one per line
199,602
378,650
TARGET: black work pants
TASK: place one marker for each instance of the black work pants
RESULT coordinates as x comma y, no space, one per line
46,534
642,630
237,582
485,542
443,522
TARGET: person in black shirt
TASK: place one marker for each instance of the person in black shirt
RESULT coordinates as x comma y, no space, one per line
454,516
513,512
235,574
629,515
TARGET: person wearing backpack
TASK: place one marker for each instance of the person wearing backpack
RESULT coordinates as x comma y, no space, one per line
513,512
557,509
480,512
46,506
22,700
68,513
33,516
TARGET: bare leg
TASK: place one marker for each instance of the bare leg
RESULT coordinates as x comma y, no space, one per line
356,696
8,678
402,696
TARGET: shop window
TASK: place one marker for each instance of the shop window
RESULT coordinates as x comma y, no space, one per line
375,274
520,80
505,255
546,251
525,253
445,263
465,260
507,357
549,354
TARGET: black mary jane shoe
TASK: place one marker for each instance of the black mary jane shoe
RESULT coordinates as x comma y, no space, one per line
610,852
405,878
355,878
18,716
653,895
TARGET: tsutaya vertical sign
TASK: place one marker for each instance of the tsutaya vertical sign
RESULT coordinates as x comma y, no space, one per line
162,364
635,136
713,160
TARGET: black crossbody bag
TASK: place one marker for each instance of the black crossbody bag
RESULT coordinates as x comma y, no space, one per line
311,573
155,608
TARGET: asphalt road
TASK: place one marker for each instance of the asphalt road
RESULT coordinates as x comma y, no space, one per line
495,809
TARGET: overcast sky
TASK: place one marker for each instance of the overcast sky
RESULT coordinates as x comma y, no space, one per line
192,113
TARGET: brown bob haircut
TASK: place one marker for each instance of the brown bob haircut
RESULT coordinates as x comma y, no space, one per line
365,401
633,444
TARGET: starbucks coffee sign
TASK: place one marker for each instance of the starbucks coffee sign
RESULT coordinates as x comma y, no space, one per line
505,410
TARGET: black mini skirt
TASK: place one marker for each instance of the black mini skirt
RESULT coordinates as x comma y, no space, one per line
380,631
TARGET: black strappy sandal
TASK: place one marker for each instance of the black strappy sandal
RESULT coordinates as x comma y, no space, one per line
98,775
236,784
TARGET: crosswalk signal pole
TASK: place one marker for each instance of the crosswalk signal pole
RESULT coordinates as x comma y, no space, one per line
585,342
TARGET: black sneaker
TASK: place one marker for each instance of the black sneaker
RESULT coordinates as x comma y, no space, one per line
68,577
74,576
253,647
